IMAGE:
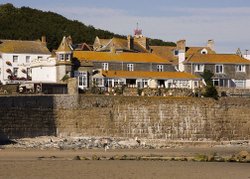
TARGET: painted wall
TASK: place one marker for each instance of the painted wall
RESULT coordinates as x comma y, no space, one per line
22,64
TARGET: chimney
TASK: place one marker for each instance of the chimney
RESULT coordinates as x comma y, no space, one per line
130,42
44,40
112,49
210,44
181,45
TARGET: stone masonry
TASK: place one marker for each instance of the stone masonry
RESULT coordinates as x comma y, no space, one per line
169,118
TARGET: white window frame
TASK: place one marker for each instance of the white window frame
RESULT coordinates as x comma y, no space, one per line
160,68
240,68
29,72
199,67
105,66
82,79
219,69
61,57
130,67
15,72
240,83
67,57
15,59
27,59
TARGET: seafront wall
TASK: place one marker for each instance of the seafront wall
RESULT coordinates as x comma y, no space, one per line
169,118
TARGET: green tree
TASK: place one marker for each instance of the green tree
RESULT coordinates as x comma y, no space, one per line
30,24
210,90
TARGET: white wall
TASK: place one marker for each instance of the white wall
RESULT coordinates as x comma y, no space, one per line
21,64
246,57
181,58
44,74
248,84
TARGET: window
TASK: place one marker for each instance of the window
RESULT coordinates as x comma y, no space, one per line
61,57
15,59
176,52
28,72
67,56
199,68
219,69
27,59
105,66
160,68
204,51
15,72
82,79
240,83
240,68
130,67
98,82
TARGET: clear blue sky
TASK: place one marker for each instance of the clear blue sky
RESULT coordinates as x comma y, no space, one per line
227,22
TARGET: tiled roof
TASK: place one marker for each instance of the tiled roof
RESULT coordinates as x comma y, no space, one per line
119,57
217,58
119,44
21,46
197,50
148,75
166,52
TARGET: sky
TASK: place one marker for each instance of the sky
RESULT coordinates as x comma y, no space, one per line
227,22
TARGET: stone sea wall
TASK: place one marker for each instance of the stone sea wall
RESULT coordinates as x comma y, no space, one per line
168,118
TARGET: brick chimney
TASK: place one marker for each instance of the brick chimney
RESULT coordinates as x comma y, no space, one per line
130,42
210,44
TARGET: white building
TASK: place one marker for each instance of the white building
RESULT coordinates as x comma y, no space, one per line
16,57
55,68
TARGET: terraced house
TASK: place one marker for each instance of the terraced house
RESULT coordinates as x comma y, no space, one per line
130,69
16,57
230,70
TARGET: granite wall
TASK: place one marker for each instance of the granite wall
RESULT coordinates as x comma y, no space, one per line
169,118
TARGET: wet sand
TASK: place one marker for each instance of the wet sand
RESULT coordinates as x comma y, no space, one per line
27,164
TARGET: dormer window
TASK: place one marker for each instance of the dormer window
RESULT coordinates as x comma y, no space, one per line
204,51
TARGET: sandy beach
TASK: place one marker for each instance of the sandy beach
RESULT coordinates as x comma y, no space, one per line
30,163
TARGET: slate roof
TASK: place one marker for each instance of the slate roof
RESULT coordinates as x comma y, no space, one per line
217,59
22,46
119,57
119,44
64,45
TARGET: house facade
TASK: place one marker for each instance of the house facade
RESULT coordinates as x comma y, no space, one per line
16,57
55,68
131,69
230,70
146,79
